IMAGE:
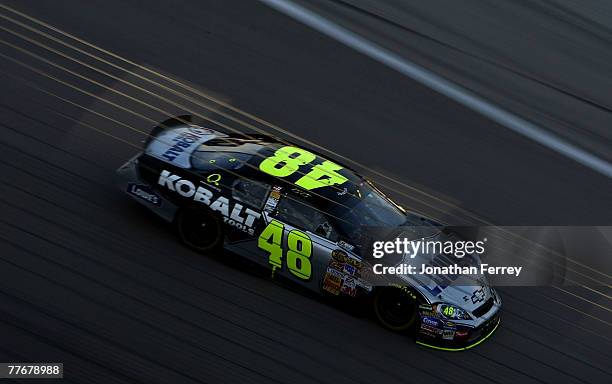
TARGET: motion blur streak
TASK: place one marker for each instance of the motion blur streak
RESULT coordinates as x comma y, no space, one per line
230,107
442,85
166,113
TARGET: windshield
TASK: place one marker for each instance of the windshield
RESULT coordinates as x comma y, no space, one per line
370,214
367,208
374,209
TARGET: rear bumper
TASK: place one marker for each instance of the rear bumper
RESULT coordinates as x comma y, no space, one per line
129,181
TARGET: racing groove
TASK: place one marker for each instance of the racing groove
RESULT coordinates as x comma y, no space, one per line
90,279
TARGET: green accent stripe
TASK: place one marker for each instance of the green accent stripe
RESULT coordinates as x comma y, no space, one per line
462,348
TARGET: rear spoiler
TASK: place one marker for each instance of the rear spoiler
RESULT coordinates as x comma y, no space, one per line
166,124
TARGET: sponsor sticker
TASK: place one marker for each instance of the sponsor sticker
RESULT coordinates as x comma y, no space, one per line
461,333
273,199
349,287
354,262
332,281
349,269
430,329
144,192
426,310
448,334
334,272
431,321
343,244
339,255
184,141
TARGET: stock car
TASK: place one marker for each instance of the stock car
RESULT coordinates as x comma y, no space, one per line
303,217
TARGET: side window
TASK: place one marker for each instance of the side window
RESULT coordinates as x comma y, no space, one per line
250,192
300,214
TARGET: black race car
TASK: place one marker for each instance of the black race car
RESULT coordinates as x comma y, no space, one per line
302,216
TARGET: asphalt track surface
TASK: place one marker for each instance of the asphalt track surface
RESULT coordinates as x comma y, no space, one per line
90,279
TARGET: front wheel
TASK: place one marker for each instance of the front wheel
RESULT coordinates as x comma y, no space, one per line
199,229
395,309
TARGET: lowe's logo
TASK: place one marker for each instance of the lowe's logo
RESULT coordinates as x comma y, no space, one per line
144,192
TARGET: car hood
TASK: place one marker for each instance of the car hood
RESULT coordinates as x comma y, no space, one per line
468,291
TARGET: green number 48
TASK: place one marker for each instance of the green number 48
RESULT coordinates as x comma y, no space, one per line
298,253
287,160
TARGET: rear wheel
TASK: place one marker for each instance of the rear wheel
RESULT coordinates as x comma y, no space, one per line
199,229
395,308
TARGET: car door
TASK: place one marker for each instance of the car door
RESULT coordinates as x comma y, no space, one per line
298,241
241,235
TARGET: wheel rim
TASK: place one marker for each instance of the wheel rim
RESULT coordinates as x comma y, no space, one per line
200,230
396,309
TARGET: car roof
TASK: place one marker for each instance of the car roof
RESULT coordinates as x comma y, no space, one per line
261,147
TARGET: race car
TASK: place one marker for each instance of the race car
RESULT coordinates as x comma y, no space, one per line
306,219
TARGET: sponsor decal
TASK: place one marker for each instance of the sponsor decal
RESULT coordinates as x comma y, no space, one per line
427,310
343,244
235,214
332,281
461,333
354,262
349,287
273,199
349,269
184,141
144,192
431,321
276,190
448,334
335,264
430,329
427,333
340,256
339,263
334,272
478,296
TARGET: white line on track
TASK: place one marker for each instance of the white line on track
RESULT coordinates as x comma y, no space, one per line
442,85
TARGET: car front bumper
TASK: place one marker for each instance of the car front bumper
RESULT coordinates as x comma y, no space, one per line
460,335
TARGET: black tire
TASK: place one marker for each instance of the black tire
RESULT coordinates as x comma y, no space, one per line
199,229
395,309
